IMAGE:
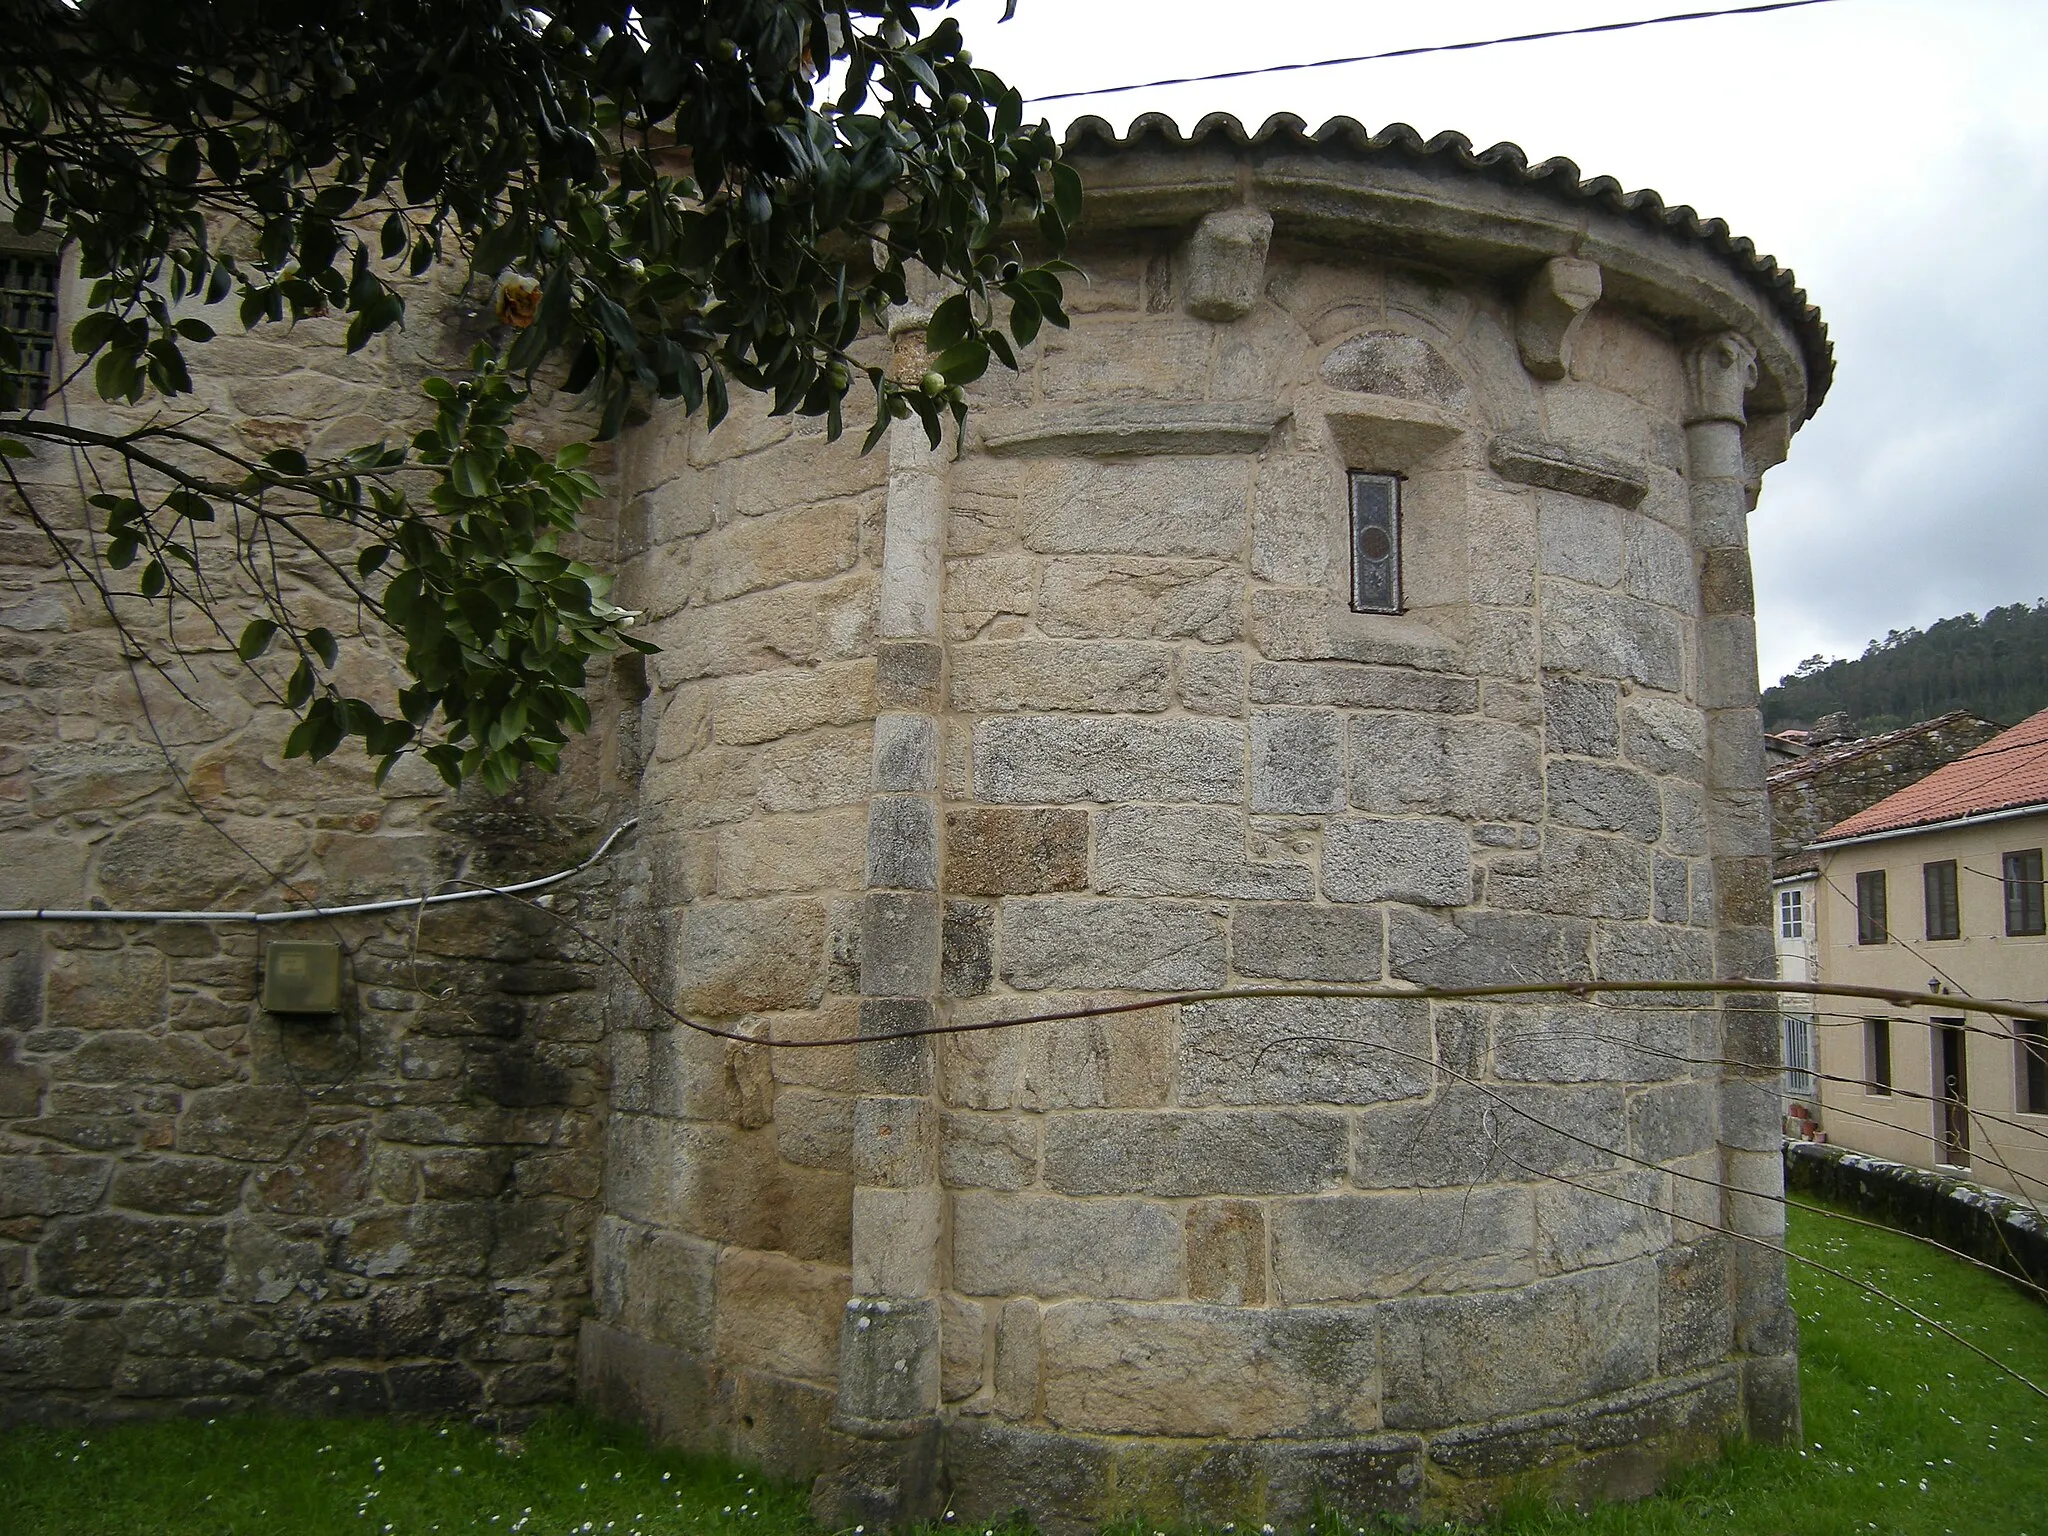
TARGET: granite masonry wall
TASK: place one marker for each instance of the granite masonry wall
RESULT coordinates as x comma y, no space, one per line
205,1207
1092,719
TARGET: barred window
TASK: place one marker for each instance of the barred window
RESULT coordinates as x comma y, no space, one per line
2032,1078
1944,908
1877,1057
1375,543
28,311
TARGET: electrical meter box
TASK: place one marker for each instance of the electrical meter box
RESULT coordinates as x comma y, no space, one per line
301,976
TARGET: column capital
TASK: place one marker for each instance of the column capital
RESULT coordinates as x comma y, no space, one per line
1719,370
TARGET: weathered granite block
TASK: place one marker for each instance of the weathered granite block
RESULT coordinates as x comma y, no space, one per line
1604,798
1049,1245
1580,716
1149,850
903,843
997,851
1227,1252
1146,946
1481,769
1303,1050
1363,1247
1173,1153
1479,1133
1039,759
1297,760
888,1358
1423,863
1298,942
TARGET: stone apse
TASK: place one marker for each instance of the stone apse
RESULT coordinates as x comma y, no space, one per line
1358,593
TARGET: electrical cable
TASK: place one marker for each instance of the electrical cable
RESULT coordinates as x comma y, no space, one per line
1409,53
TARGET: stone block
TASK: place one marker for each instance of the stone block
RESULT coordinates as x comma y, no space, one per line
1193,1370
54,1185
1478,1133
1397,364
1580,716
1297,498
105,989
1694,1325
1606,635
1295,941
907,674
1121,1061
814,1129
1579,539
1303,1050
1018,1333
903,843
1212,682
963,1344
1153,850
1672,1120
1602,1219
1422,863
899,944
1604,797
115,1255
1297,761
993,851
177,1186
654,1284
896,1240
1567,1043
1480,769
253,1124
1185,508
1349,685
1594,876
1770,1399
1144,946
1174,1154
1227,1252
981,1151
1664,736
1126,598
1660,567
1115,761
761,706
966,948
906,759
778,1314
744,957
1365,1247
1455,1359
896,1054
888,1359
1728,668
1476,949
1226,263
1011,676
769,855
895,1141
328,1175
442,1238
1726,585
749,554
1049,1245
60,1354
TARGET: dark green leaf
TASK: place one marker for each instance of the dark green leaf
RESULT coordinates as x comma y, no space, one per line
256,638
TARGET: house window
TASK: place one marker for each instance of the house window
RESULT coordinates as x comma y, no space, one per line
1375,542
28,312
2030,1080
1944,910
2023,905
1799,1067
1877,1057
1791,914
1871,927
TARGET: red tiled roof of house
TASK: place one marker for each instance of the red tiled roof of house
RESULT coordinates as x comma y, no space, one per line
2007,772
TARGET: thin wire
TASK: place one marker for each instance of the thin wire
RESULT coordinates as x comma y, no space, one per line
1409,53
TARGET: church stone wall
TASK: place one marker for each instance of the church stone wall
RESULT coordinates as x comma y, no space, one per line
1102,724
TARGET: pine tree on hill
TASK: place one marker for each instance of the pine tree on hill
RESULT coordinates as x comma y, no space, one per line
1996,666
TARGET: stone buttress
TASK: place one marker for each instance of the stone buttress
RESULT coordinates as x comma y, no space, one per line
1078,710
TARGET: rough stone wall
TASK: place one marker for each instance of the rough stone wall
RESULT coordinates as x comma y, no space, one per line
206,1206
723,1256
1811,795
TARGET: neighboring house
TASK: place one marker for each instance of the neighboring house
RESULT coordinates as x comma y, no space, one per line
1938,888
1817,778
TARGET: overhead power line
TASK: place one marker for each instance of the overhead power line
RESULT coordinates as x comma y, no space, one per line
1409,53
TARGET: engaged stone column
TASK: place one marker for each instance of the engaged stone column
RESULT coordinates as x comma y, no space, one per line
889,1338
1720,371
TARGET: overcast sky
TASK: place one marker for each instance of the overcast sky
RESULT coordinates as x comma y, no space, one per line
1893,153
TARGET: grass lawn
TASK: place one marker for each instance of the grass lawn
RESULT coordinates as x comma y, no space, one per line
1905,1431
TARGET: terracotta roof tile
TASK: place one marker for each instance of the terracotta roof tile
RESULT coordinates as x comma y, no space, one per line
2007,772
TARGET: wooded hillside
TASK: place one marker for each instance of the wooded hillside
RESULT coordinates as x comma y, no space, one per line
1995,666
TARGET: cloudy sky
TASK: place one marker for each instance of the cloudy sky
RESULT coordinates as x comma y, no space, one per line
1893,153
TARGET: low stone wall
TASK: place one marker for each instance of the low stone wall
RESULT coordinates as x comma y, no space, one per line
2005,1233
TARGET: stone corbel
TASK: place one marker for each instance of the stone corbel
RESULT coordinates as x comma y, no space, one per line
1719,371
1553,306
1227,263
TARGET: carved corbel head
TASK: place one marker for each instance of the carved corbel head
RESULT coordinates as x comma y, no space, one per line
1719,371
1227,263
1557,299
